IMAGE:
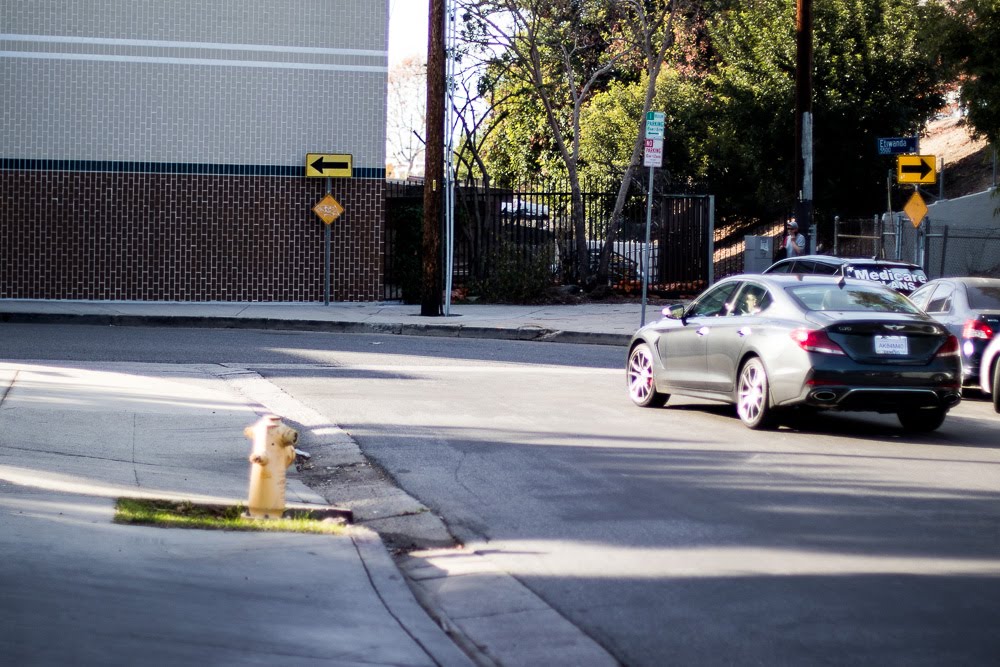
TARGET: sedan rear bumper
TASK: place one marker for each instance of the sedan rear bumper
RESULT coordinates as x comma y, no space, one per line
881,399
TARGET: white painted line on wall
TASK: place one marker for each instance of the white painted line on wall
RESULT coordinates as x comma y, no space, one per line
155,43
216,62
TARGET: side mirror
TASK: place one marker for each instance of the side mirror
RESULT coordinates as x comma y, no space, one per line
674,311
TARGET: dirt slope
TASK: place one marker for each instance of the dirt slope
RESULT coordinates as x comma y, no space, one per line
968,163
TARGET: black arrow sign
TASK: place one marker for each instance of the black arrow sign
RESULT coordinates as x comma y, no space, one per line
922,169
322,165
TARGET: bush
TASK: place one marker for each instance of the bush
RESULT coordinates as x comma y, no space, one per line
515,274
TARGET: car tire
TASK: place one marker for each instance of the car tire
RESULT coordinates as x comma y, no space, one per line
753,396
922,420
994,389
639,375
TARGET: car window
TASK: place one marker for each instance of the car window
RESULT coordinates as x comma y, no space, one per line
940,301
804,266
713,302
984,297
751,300
822,268
859,298
922,295
780,267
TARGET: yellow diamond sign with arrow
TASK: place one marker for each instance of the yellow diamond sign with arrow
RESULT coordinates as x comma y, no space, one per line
915,209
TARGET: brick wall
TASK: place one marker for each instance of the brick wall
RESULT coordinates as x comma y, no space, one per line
185,237
156,150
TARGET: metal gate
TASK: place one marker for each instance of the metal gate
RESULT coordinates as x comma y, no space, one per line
686,240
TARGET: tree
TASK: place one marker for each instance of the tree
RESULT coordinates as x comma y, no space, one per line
966,34
407,116
562,52
871,79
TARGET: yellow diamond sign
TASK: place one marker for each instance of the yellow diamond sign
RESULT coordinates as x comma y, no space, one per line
328,209
915,209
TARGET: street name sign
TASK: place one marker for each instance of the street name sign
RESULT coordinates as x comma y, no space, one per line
897,145
329,165
916,169
655,121
653,155
328,209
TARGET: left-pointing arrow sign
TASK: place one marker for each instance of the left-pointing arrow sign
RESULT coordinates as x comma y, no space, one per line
331,165
916,168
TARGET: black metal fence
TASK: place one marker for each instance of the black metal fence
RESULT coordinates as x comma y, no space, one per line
534,221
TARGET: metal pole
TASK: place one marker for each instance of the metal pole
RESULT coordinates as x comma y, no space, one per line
326,254
645,250
711,239
449,153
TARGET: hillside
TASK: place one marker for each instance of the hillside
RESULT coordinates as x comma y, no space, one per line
968,163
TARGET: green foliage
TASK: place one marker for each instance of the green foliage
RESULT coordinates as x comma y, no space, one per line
869,80
171,514
610,125
516,273
965,35
728,92
522,144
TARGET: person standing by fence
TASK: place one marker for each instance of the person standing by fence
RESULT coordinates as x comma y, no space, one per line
794,243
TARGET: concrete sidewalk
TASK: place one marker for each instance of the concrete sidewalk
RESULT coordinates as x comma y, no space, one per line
79,589
598,324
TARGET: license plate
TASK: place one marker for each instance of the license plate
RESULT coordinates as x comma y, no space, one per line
891,345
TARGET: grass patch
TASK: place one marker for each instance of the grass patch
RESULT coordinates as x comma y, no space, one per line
171,514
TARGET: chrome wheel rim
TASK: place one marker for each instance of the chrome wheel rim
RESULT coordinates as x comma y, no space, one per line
640,375
753,392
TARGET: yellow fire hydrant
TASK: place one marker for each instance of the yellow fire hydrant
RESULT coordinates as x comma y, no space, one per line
272,453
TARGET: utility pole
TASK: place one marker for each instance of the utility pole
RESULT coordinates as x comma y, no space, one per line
430,293
804,120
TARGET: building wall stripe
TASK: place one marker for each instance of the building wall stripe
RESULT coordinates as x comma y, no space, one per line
159,43
120,167
214,62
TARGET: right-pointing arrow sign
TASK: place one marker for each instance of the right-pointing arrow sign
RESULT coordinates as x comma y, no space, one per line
916,168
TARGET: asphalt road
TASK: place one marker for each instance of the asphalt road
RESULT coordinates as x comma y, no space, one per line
671,536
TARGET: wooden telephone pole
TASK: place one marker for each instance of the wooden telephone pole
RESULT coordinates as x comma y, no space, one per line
430,293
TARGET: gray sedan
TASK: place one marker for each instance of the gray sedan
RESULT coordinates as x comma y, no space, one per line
767,343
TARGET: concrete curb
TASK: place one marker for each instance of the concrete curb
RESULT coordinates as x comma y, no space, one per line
526,333
399,600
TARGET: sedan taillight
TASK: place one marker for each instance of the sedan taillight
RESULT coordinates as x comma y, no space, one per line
815,341
976,329
949,349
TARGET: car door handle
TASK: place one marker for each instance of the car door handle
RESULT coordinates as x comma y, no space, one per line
744,331
703,331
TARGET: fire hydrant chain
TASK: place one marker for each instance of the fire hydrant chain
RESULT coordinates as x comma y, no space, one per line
272,453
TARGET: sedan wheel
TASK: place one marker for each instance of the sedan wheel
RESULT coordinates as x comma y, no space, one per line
641,386
995,389
922,420
752,396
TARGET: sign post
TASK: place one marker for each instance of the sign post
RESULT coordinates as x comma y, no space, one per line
328,209
652,158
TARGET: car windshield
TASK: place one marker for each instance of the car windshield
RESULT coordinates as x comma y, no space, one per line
984,297
857,298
